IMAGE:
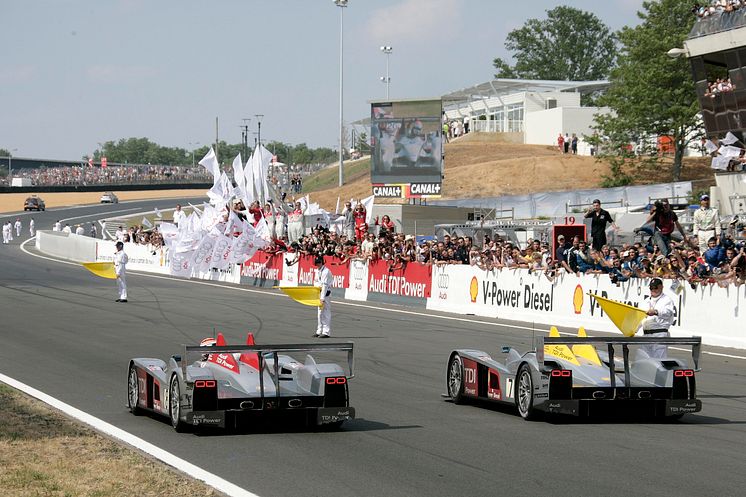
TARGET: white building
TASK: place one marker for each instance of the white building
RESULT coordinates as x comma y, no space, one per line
535,111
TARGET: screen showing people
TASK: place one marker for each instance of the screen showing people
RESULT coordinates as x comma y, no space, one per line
407,142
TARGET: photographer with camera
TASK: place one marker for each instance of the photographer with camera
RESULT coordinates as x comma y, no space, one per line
665,220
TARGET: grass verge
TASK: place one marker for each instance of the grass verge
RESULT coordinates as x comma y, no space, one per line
42,452
329,177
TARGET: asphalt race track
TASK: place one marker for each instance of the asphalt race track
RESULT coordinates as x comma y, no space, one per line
62,333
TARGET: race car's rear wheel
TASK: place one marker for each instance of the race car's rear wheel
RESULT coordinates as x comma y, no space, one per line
133,391
524,399
455,380
174,405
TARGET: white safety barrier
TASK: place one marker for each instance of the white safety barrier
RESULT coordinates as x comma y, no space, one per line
68,246
711,312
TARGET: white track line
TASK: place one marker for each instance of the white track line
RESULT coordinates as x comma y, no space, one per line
186,467
352,304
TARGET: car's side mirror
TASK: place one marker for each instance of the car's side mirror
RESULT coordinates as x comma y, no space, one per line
176,358
505,350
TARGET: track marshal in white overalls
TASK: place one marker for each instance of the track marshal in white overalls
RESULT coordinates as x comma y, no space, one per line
324,281
120,268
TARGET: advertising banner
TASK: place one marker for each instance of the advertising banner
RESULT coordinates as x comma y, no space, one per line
290,269
357,288
565,301
263,269
407,143
413,280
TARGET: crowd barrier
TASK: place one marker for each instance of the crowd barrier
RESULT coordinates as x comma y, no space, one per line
712,312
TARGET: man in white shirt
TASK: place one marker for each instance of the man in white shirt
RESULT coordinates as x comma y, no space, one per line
10,231
67,229
103,229
120,268
18,226
119,234
706,223
324,281
79,230
179,215
661,316
6,227
32,228
57,226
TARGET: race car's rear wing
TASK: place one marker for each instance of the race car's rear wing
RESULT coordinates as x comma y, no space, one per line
625,342
275,350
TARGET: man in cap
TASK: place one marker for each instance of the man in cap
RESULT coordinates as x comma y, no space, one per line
599,219
706,223
120,268
661,315
324,282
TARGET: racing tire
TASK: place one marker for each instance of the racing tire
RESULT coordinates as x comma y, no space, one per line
133,391
455,379
174,405
524,398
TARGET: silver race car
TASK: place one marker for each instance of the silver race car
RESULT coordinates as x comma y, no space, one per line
571,376
231,383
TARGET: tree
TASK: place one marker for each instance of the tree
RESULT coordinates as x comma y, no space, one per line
651,94
570,44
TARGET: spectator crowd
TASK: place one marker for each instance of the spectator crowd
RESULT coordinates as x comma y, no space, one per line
720,85
719,258
67,175
717,7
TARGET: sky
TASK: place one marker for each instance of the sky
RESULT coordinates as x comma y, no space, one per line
77,73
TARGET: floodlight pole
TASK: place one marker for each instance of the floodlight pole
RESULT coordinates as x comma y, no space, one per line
259,127
387,50
342,4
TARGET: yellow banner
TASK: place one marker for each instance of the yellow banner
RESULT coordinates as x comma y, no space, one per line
102,269
306,295
560,351
625,317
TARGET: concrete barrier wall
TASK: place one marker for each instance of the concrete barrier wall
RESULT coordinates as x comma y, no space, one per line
68,246
714,313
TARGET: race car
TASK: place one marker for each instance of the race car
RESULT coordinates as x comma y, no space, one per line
228,384
570,376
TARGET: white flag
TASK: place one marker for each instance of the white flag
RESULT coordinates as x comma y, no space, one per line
181,264
146,222
730,151
260,167
222,252
720,162
248,187
336,209
210,162
238,176
729,139
157,213
711,147
368,204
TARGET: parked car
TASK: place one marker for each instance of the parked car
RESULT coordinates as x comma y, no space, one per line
34,203
109,198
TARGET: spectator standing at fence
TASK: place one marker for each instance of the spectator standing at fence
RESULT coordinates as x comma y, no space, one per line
574,144
324,281
348,223
79,230
18,225
32,228
57,226
6,230
706,223
120,269
279,223
666,221
661,314
103,229
295,223
566,143
179,215
599,219
361,227
561,143
269,216
67,229
92,230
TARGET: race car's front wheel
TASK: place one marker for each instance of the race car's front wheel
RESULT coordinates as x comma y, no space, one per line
174,405
455,380
133,391
524,399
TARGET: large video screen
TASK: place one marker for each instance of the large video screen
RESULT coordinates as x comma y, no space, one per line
407,142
